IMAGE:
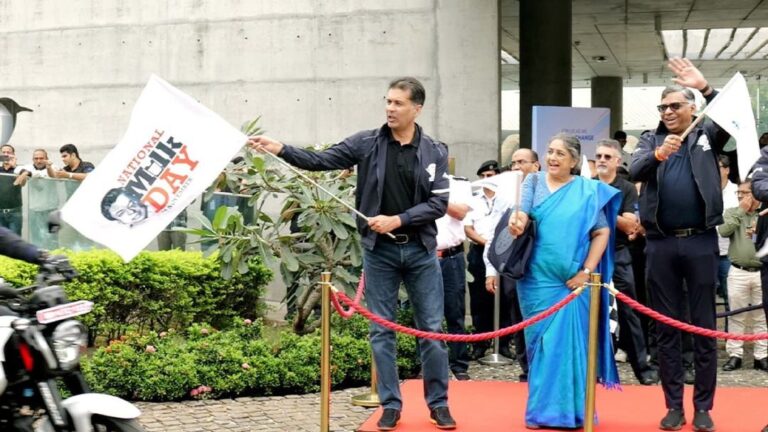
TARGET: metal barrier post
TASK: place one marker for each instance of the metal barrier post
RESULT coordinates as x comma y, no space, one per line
325,355
370,399
495,359
595,288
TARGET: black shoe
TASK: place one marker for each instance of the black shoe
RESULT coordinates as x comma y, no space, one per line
762,364
732,364
389,419
462,376
441,417
689,377
674,420
702,422
477,353
523,377
649,377
506,352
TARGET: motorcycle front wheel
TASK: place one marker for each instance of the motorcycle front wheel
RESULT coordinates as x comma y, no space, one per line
110,424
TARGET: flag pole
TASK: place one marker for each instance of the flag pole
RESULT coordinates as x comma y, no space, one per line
700,117
315,184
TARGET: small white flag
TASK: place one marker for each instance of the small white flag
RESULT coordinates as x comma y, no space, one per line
173,150
585,171
732,111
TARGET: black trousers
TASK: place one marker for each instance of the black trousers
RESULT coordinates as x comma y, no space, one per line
631,337
511,305
670,262
480,300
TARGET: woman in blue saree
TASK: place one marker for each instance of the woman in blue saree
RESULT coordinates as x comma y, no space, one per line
575,219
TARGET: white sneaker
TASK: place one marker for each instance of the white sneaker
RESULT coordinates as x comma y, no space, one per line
620,356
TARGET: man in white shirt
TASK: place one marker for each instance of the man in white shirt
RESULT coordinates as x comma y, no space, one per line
450,254
43,199
479,226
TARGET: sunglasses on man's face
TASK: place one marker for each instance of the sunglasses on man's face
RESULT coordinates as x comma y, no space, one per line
674,106
603,156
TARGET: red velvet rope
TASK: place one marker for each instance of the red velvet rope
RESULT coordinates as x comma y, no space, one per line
685,326
455,337
358,295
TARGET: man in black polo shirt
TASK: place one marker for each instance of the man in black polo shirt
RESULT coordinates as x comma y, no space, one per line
10,191
400,171
681,204
631,337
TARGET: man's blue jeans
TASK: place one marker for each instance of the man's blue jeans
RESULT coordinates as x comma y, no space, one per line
386,266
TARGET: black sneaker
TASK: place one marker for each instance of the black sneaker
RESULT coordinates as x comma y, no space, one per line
649,377
732,364
462,376
441,417
674,420
702,422
389,419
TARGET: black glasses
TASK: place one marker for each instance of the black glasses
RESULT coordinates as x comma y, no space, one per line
674,106
603,156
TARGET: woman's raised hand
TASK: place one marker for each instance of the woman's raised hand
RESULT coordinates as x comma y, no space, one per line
517,222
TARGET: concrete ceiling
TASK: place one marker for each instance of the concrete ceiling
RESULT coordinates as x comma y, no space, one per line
626,34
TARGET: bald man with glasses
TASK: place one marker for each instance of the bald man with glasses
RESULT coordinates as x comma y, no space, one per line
681,204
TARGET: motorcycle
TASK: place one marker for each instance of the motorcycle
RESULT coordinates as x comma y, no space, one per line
40,349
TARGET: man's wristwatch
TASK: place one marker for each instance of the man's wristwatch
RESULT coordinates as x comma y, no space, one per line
587,271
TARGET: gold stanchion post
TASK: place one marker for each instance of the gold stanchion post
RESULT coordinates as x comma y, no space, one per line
594,317
325,355
370,399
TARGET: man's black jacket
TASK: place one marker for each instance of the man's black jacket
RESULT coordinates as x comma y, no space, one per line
368,150
703,155
13,246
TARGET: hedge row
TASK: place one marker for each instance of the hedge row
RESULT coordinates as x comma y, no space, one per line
155,291
206,363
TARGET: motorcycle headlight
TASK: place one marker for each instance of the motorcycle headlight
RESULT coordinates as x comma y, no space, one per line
69,338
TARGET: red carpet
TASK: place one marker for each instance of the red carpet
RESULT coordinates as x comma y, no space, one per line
490,406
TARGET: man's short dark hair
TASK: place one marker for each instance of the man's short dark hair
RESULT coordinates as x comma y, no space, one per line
13,150
619,135
610,143
724,160
108,200
69,148
418,95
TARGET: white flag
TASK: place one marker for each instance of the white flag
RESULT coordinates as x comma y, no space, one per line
732,111
585,171
173,150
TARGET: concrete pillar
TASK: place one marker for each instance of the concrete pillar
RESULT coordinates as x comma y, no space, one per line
545,58
608,92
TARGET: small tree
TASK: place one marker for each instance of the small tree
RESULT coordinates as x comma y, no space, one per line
312,232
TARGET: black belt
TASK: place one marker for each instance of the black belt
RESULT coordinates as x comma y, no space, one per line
749,269
400,238
449,252
687,232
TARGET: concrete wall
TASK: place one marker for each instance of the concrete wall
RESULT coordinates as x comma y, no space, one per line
315,70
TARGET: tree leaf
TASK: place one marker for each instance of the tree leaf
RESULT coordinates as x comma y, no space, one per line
288,259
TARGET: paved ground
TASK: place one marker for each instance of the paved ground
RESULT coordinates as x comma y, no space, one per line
302,413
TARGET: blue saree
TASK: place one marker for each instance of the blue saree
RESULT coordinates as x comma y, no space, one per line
557,346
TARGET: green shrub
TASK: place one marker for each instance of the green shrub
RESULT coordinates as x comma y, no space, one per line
204,362
155,291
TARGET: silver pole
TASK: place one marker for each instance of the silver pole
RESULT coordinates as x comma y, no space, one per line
495,358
